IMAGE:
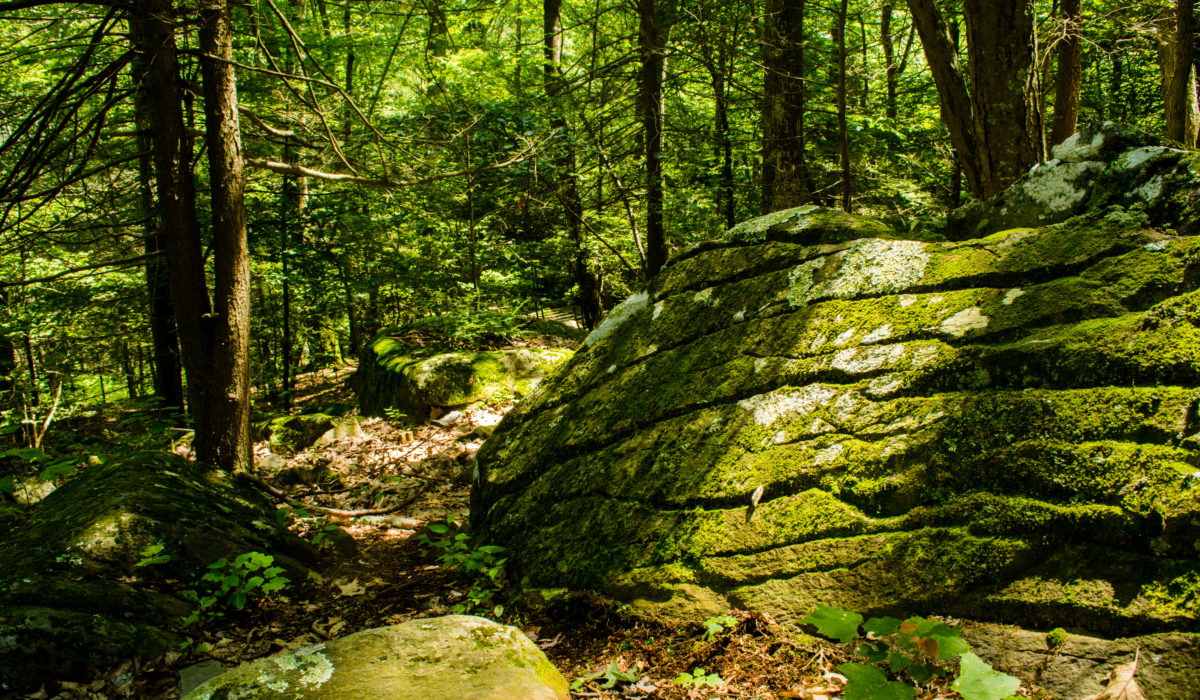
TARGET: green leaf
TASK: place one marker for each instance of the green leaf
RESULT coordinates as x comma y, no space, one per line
882,626
979,681
875,652
7,484
921,673
837,624
275,584
219,564
898,662
438,528
864,682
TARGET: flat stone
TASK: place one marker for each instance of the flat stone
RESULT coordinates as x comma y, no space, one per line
457,656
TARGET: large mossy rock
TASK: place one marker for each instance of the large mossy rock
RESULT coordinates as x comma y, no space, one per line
392,374
1102,165
456,656
67,604
1003,428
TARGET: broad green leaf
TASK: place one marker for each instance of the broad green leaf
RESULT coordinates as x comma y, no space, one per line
7,484
882,626
837,624
979,681
864,682
898,662
875,652
920,673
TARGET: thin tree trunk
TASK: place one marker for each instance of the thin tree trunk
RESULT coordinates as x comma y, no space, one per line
167,374
1069,78
652,35
228,442
567,186
784,171
843,132
130,374
717,73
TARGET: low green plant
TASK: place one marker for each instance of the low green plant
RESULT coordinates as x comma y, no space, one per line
913,651
482,565
1055,638
152,556
320,529
714,626
611,675
699,679
231,584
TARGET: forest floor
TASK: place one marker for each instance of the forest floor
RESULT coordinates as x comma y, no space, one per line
375,571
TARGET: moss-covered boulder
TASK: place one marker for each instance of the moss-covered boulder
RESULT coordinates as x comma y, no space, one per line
393,375
815,410
290,434
456,656
68,601
1100,166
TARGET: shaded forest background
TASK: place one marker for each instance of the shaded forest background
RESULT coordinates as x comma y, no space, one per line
250,190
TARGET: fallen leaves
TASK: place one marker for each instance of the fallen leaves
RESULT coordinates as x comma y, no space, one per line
1122,685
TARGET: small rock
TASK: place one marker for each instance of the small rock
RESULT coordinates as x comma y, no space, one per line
272,462
449,419
191,677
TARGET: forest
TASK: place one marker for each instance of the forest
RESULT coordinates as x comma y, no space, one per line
248,234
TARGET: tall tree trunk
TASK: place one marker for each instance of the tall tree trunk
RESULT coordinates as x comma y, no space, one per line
160,98
843,132
784,172
1176,49
228,443
131,379
717,72
591,308
1069,78
167,374
652,43
988,124
8,357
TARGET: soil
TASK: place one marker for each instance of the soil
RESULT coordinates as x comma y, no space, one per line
375,571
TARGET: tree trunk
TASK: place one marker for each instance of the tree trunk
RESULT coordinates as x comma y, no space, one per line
1176,49
652,35
589,301
167,374
988,124
725,194
784,172
8,357
843,132
227,443
160,98
1069,78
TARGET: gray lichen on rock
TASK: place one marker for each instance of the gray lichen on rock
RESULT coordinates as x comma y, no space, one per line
1015,412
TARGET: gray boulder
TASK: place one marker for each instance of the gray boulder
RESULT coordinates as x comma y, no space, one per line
1003,429
1100,166
442,658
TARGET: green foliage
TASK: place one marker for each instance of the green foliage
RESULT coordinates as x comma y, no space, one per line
612,676
1055,638
152,555
482,566
917,649
832,622
698,678
319,528
231,584
714,626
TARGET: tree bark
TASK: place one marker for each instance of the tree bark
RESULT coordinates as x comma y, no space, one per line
1069,78
1176,49
160,98
167,374
228,442
988,123
717,72
652,36
591,308
843,132
784,172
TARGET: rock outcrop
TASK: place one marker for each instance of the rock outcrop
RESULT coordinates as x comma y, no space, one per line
816,410
393,375
457,656
67,605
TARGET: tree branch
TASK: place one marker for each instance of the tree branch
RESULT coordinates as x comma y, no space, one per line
82,268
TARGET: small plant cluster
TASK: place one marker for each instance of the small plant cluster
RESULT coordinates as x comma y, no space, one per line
913,650
230,584
319,528
483,566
